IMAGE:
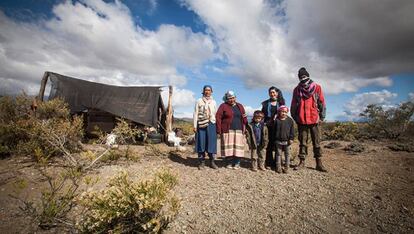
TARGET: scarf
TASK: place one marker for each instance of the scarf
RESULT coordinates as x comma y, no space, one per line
206,109
306,89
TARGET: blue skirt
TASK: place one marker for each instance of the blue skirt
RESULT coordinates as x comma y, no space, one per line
206,139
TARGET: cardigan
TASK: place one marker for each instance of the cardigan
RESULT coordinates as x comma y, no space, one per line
199,106
224,117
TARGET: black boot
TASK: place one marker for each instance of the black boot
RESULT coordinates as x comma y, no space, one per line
319,166
213,164
201,165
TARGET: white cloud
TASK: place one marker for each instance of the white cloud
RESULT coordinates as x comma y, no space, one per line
359,102
250,110
180,98
339,42
411,97
97,41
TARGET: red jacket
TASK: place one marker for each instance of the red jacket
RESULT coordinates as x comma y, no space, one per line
308,111
224,117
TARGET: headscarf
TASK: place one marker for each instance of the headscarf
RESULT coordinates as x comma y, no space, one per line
228,94
283,107
204,88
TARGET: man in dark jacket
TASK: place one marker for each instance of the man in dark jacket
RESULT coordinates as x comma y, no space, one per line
308,109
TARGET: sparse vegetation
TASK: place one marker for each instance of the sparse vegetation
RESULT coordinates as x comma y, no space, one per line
348,131
128,207
391,123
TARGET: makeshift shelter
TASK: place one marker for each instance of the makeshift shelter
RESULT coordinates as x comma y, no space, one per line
101,103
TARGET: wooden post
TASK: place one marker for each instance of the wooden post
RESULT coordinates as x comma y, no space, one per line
43,86
168,121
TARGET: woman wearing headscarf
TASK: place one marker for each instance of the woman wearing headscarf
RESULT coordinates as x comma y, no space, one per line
205,127
231,122
269,108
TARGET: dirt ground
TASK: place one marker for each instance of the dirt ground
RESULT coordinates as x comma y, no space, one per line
368,192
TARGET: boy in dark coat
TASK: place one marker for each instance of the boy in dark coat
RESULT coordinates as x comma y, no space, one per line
257,139
284,135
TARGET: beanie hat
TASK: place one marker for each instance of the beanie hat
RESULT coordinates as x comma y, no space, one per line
282,107
303,72
207,86
258,113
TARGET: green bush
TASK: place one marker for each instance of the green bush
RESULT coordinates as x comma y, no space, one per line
128,207
343,131
391,123
50,130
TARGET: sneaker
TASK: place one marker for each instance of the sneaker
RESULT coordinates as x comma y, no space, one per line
236,167
229,166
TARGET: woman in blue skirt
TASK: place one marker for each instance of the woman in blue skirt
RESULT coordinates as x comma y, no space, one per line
205,127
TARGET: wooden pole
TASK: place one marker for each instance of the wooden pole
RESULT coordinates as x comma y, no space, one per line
43,86
169,110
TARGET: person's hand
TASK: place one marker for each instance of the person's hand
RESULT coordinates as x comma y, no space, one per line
195,130
290,142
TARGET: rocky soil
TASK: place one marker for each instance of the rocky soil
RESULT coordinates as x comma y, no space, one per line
364,192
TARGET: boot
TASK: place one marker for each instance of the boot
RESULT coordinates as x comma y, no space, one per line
301,164
201,165
213,164
319,166
262,165
254,165
278,168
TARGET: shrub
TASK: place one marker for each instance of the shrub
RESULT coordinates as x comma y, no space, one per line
124,132
56,200
391,123
126,207
50,131
343,131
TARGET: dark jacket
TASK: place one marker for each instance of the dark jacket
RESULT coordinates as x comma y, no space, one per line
280,102
224,117
284,129
251,139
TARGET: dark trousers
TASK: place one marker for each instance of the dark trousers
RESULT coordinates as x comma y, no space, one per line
304,131
270,160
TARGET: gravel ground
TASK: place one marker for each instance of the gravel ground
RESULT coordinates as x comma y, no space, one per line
372,191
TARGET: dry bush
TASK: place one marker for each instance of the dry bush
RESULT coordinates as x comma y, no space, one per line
391,123
128,207
348,131
50,131
56,199
186,126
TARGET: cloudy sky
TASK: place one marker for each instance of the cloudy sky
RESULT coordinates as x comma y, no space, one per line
361,52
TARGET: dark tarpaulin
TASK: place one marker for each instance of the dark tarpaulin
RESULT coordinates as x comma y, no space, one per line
139,104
